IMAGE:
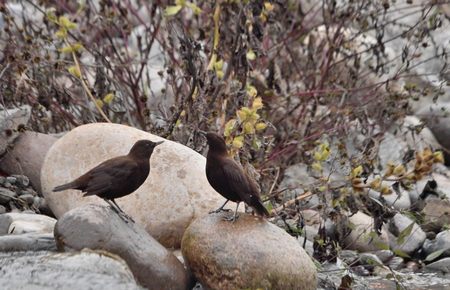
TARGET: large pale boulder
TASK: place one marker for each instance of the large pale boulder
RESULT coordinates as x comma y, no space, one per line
100,228
175,192
24,223
250,253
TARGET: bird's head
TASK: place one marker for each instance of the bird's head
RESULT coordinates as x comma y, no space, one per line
143,148
216,142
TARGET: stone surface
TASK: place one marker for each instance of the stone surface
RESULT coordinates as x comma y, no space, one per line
153,266
361,237
21,223
175,192
6,195
27,156
248,254
440,243
10,120
50,271
442,265
27,242
411,242
436,214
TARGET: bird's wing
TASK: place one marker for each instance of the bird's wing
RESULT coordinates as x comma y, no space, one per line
238,181
106,176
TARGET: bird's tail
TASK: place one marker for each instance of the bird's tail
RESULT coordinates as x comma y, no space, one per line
258,206
69,185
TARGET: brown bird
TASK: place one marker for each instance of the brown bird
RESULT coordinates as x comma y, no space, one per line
228,178
116,177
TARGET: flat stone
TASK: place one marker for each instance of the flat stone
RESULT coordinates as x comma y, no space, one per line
442,265
6,195
175,192
78,270
27,242
250,253
153,266
21,223
440,243
436,214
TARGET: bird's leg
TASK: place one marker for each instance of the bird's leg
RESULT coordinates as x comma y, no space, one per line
118,210
235,216
220,208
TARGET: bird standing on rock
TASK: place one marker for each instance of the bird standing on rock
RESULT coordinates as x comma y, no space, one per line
116,177
228,178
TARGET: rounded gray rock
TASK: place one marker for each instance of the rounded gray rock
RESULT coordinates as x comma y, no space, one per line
99,228
250,253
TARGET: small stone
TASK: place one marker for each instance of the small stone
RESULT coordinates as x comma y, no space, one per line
368,259
2,180
361,270
348,256
36,201
440,243
396,263
2,209
412,266
384,255
443,265
28,198
7,184
6,195
410,243
24,191
11,179
21,180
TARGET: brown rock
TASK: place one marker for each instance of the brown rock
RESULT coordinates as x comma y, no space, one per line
99,228
248,254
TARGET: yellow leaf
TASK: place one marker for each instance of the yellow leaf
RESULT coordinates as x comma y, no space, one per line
238,142
399,170
385,190
194,8
318,156
357,171
218,65
61,33
71,48
268,6
172,10
438,157
389,169
257,103
317,166
243,114
376,183
249,128
229,126
180,2
66,23
260,126
251,55
251,91
74,71
99,103
108,98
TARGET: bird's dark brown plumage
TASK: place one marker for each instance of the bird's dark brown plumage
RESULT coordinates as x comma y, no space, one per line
228,178
118,176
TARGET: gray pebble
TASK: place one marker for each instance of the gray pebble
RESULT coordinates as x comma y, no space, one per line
11,179
7,184
2,180
21,180
28,198
2,209
25,191
36,201
6,195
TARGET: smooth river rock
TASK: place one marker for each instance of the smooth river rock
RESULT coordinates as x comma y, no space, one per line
22,223
98,227
27,242
50,271
248,254
175,192
27,156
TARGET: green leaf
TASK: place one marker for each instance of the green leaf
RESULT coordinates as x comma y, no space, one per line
400,253
381,245
434,255
405,233
172,10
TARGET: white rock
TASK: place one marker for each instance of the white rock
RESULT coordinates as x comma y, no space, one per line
362,238
22,223
411,242
175,192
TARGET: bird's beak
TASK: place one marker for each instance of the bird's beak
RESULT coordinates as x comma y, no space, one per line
160,142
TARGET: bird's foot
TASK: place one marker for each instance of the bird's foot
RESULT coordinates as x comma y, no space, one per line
126,218
220,210
232,218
